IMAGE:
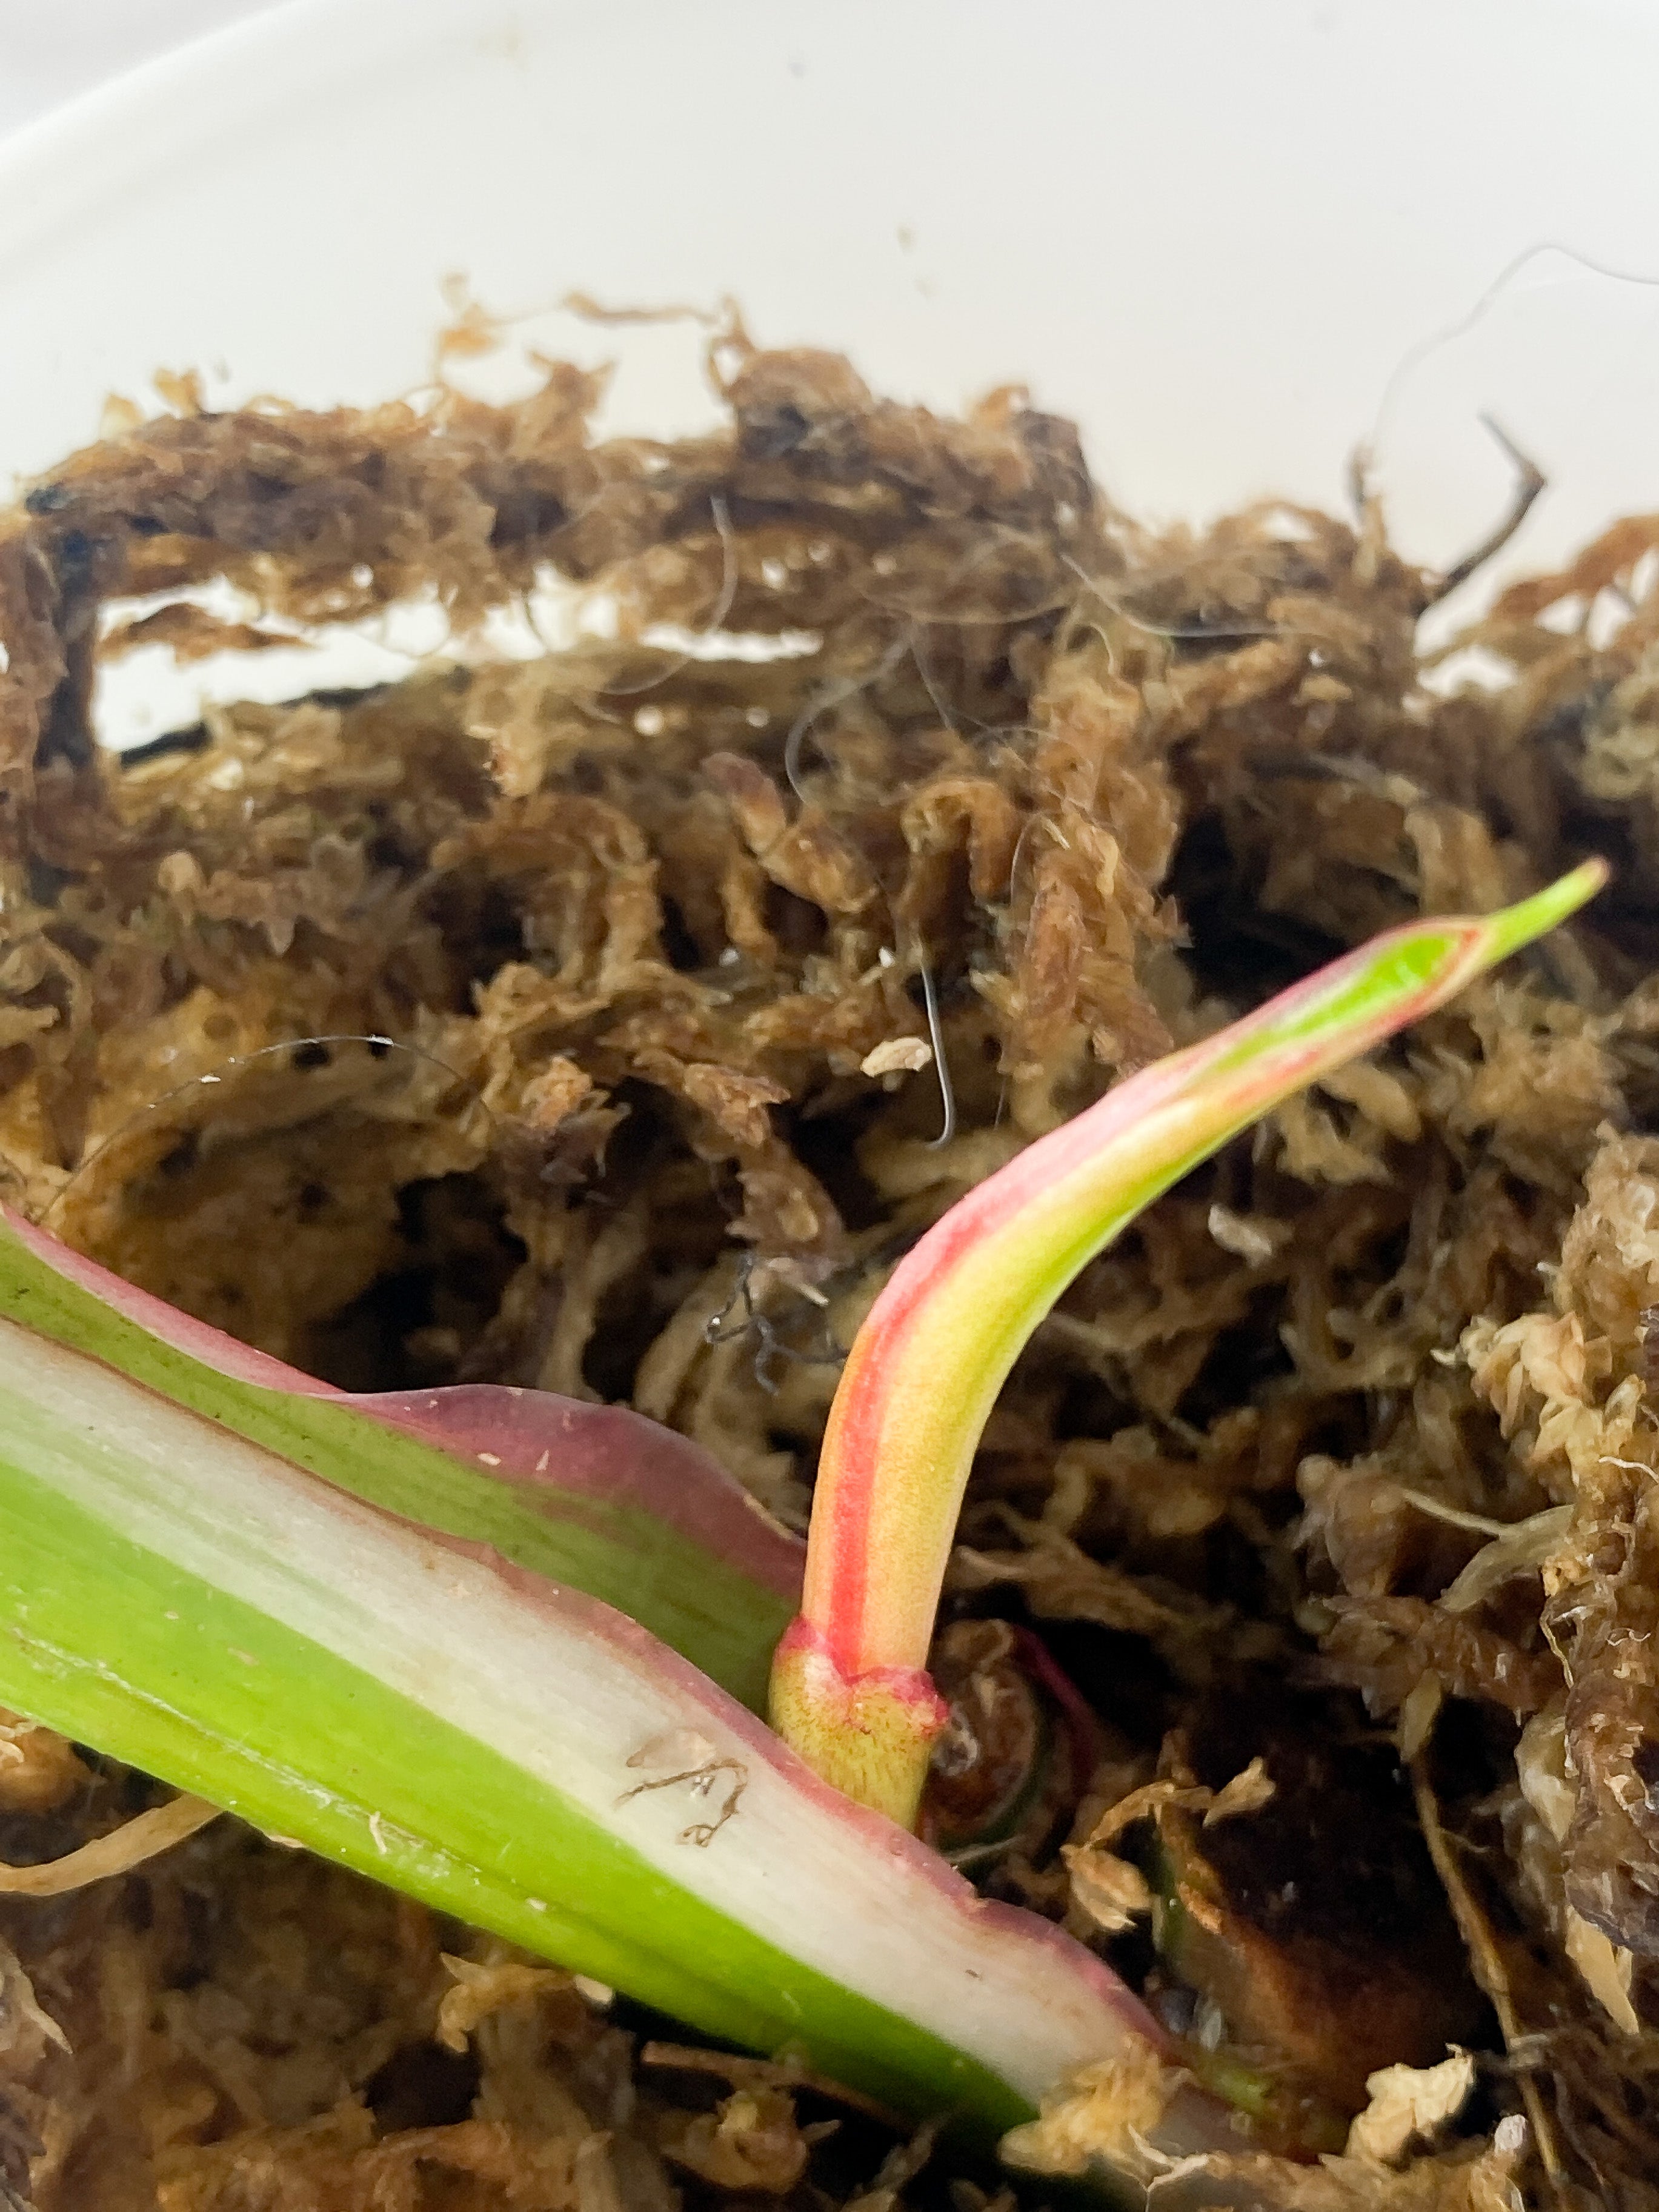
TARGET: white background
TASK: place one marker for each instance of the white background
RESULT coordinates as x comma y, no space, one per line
1231,241
52,49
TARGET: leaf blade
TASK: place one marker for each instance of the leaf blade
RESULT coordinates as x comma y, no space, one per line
625,1510
440,1719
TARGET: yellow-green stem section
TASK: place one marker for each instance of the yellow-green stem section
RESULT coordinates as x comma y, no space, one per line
871,1733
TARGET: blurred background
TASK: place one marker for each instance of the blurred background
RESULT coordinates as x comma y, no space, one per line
50,50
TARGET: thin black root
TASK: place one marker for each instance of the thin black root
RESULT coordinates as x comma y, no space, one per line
771,1348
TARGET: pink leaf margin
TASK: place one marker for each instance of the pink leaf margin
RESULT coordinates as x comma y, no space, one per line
531,1440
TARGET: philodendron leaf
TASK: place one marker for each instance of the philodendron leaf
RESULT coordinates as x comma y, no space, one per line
420,1708
593,1497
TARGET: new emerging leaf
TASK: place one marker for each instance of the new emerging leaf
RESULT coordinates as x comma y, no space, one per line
849,1686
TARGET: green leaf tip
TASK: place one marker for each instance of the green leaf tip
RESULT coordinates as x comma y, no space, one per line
1513,926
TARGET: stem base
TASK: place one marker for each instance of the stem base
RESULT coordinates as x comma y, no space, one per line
868,1733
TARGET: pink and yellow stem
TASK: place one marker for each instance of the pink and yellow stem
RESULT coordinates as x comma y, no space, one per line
850,1690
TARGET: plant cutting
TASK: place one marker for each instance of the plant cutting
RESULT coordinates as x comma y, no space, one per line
501,1650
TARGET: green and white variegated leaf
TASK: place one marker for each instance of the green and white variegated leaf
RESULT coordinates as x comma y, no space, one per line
594,1497
514,1753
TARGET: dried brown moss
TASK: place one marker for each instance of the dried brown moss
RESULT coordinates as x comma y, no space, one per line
1346,1444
